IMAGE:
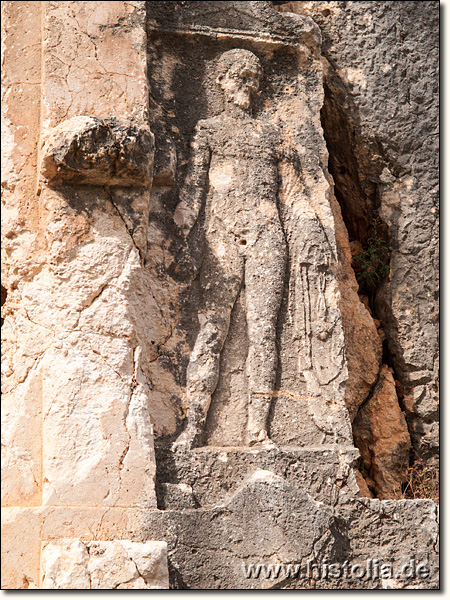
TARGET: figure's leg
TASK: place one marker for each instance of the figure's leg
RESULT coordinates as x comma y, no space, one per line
221,280
264,281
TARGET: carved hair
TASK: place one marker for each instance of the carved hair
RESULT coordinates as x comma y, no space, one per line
235,60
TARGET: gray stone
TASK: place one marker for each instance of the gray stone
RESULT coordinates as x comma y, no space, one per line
248,220
190,337
271,535
214,474
267,519
380,120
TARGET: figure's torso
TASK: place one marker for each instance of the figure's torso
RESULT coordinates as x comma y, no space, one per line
243,176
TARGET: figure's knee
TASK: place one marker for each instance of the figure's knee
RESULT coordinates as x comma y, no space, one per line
211,337
263,340
203,369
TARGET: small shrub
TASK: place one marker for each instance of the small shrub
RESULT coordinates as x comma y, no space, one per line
372,264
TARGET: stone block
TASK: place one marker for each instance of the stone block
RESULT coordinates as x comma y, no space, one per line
103,565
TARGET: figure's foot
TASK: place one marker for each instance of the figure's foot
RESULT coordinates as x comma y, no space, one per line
186,440
259,438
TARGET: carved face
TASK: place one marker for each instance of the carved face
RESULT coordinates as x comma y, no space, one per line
240,83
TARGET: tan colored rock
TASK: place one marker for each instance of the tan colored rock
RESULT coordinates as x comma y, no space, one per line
388,166
364,491
103,307
23,529
93,151
75,358
64,565
120,564
77,429
363,347
382,437
98,67
22,341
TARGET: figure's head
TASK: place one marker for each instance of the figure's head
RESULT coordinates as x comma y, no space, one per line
239,76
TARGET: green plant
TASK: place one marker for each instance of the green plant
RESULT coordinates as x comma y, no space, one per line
372,264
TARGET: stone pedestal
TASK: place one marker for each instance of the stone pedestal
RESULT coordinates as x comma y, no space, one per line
207,477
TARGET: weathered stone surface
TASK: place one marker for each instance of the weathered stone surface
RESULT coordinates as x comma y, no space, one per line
364,490
71,564
75,358
307,396
381,435
381,123
89,151
21,339
408,530
203,555
212,258
363,346
214,474
260,522
98,67
78,431
23,528
216,548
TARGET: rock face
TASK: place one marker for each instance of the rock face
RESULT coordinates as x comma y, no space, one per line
185,349
119,565
258,321
88,151
380,120
382,436
75,406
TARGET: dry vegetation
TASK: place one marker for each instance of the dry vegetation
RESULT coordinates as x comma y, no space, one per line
423,481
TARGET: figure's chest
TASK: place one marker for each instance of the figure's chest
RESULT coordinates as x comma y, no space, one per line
245,142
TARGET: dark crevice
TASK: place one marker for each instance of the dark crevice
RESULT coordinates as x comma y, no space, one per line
356,194
4,294
355,170
354,174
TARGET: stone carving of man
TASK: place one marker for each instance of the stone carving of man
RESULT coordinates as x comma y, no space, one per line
234,164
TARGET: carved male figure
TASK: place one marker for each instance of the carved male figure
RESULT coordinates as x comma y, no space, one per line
235,160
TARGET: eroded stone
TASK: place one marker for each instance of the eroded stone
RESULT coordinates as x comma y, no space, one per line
104,565
93,151
382,436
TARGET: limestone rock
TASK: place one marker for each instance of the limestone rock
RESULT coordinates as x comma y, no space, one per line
363,346
381,435
93,151
364,490
347,536
211,476
151,151
380,120
262,521
226,337
103,565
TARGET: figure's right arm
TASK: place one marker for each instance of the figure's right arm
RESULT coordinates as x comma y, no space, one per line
193,191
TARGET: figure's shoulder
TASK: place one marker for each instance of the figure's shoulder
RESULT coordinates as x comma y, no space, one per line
203,134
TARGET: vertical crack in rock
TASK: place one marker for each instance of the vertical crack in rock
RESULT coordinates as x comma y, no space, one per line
133,386
380,120
358,196
4,295
110,194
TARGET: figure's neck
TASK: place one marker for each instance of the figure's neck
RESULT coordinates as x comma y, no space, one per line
237,112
